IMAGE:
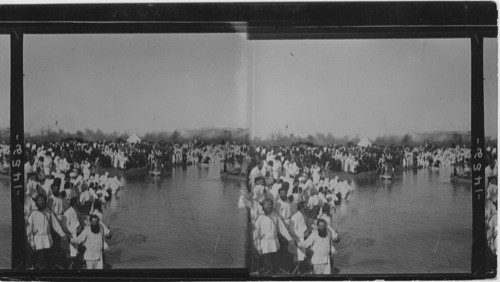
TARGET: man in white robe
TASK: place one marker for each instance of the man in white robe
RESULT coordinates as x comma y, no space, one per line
321,244
55,203
265,235
92,238
39,226
254,173
70,225
274,189
282,207
297,230
32,185
259,191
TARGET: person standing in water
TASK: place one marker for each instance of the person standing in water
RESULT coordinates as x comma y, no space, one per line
265,235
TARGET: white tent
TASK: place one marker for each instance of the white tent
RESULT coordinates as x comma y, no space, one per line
134,138
364,142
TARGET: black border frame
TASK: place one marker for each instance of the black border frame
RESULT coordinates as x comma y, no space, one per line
472,20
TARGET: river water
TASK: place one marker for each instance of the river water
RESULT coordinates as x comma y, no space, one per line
419,223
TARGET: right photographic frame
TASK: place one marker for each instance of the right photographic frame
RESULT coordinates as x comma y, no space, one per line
364,156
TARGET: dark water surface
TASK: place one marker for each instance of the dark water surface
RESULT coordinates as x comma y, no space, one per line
386,227
419,223
174,222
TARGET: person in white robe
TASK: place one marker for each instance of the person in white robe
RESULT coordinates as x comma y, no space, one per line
282,207
97,210
29,204
297,230
55,203
321,244
265,235
92,237
39,224
32,185
254,173
259,191
313,199
274,189
70,224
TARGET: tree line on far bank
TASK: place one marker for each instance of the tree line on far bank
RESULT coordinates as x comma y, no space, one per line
451,139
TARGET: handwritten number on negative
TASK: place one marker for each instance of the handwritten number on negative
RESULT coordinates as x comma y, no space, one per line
476,167
478,154
16,176
478,180
18,150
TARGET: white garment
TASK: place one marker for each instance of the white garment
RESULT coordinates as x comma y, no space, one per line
282,209
259,193
274,190
297,228
320,247
55,204
265,234
313,201
85,196
70,224
38,229
94,244
254,173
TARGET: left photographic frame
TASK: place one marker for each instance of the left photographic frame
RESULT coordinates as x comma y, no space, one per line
5,185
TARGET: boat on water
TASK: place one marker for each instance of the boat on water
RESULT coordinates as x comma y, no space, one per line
155,172
386,177
460,179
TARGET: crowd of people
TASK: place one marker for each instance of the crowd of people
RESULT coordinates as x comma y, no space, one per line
238,158
291,198
63,206
353,159
290,208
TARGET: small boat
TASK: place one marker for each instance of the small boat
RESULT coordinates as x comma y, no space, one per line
461,179
229,176
385,177
155,172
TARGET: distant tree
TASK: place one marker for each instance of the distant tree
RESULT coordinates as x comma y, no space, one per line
310,138
79,134
407,139
176,136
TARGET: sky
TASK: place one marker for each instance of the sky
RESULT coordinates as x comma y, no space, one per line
135,83
163,82
364,87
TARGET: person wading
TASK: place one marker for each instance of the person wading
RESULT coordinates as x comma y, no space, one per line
321,244
92,238
39,225
265,235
